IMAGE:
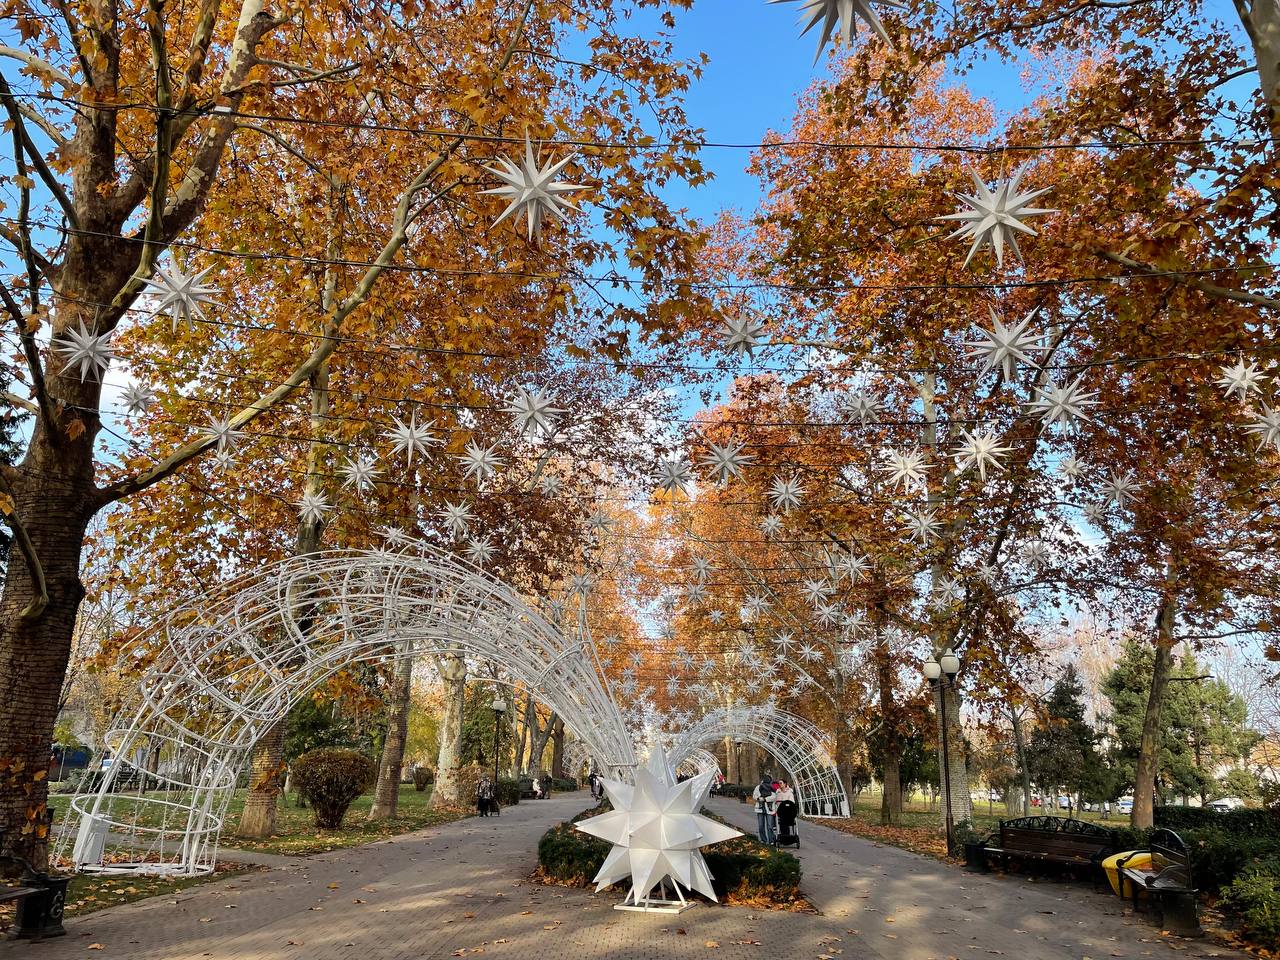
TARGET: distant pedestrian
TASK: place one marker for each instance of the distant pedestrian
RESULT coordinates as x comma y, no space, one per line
484,797
764,816
537,788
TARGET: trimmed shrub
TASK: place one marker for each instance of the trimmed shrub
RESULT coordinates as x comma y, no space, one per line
564,785
330,780
1253,898
1243,820
742,868
508,792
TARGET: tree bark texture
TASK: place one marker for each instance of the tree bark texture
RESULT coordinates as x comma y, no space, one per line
258,819
386,797
453,676
1144,776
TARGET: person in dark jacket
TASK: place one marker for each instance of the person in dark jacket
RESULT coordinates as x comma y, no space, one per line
764,816
484,797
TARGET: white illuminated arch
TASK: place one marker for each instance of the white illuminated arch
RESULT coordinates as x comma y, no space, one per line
231,663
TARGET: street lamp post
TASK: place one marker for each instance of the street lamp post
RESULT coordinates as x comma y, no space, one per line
941,673
499,708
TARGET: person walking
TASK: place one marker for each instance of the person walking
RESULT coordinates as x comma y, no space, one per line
484,796
785,810
764,816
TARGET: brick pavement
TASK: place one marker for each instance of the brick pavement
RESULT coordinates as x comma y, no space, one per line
462,890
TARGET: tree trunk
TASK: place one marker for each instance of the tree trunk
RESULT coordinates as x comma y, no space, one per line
1144,777
956,788
557,750
891,750
731,772
1020,751
258,818
520,765
453,676
386,796
540,742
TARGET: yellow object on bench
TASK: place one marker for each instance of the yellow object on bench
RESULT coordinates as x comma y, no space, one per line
1111,866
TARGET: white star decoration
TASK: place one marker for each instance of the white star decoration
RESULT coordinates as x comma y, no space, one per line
905,468
1064,405
312,507
701,568
674,475
550,485
1036,554
457,518
182,296
533,413
1120,489
1095,513
1003,348
994,217
599,523
1266,427
815,591
838,19
785,494
852,566
137,399
726,461
742,334
219,429
359,473
480,462
864,407
1242,379
656,831
532,189
771,525
412,438
980,452
92,353
1070,468
923,525
479,550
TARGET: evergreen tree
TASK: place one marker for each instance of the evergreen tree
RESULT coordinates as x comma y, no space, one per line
1062,752
1206,725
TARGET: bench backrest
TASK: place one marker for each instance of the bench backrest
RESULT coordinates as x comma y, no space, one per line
1059,836
1169,855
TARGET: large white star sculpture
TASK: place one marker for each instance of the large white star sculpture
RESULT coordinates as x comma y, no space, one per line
657,832
1242,379
1064,404
785,494
1266,427
994,217
412,438
533,189
91,352
981,452
905,468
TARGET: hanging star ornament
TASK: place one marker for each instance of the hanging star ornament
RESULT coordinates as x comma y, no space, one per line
180,295
1003,348
91,352
864,407
533,190
599,523
674,475
771,525
726,461
533,413
412,438
480,462
1266,427
479,550
742,335
994,217
137,399
839,19
785,494
1121,488
457,518
980,452
1241,380
221,432
923,525
1070,468
905,468
359,473
550,485
313,507
1065,404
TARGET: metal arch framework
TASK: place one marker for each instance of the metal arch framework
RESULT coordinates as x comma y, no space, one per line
796,743
697,762
230,664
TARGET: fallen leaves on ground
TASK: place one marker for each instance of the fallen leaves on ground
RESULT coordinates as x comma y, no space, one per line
926,841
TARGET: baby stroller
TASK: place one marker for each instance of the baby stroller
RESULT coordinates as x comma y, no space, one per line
784,831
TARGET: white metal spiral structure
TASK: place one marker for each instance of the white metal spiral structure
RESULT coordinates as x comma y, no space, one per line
697,763
230,664
795,742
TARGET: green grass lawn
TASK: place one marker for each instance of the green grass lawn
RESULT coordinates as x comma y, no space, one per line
986,816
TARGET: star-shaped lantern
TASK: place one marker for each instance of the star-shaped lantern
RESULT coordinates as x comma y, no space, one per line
599,522
1003,348
1036,554
838,18
994,217
1266,427
771,525
1121,488
923,525
1070,468
785,494
853,565
91,352
905,468
742,334
137,399
674,475
457,518
533,413
815,591
980,452
480,462
479,550
1241,379
726,461
182,296
1064,404
700,568
864,407
359,473
221,431
412,438
313,507
533,190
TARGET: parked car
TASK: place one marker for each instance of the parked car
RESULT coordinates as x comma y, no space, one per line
1223,804
1125,805
1065,803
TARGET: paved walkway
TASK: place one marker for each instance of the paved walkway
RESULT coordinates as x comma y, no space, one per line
462,890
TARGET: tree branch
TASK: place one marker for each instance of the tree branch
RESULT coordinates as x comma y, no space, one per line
1211,289
39,65
40,601
31,351
25,143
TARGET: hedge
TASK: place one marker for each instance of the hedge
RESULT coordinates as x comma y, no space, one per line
742,868
330,780
1243,820
1253,898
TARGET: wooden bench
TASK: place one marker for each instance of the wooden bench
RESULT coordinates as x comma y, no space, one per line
1166,880
40,899
1057,840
